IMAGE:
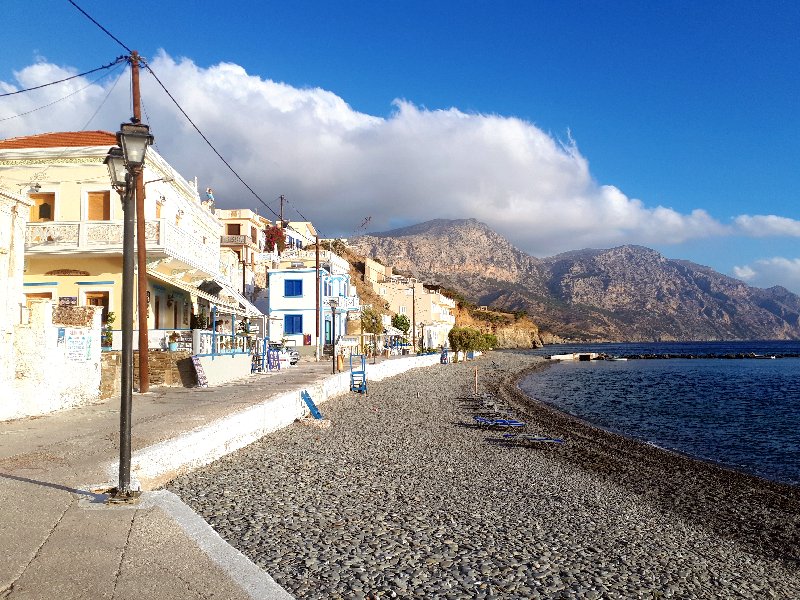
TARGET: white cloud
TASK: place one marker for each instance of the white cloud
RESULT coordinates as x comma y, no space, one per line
339,166
771,271
767,226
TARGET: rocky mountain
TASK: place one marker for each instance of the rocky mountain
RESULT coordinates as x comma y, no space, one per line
627,293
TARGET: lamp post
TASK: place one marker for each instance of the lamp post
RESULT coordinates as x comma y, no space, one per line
333,303
124,165
422,337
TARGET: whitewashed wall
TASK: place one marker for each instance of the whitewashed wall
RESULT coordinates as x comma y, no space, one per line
13,218
57,366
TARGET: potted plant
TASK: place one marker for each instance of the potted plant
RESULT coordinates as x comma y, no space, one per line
107,335
173,341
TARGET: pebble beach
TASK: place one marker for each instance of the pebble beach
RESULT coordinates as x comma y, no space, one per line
402,496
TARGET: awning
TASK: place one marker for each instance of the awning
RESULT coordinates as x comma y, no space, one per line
389,330
195,291
245,304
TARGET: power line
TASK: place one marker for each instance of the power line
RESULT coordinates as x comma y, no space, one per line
106,31
207,141
41,172
91,83
38,87
180,108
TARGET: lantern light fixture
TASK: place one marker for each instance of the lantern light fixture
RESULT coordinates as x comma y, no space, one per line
134,138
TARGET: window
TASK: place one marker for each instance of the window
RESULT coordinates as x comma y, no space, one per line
293,287
402,310
29,296
254,235
43,208
292,324
98,206
233,228
98,299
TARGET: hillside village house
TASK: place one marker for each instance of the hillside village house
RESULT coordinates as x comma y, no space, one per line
292,295
73,250
245,234
433,313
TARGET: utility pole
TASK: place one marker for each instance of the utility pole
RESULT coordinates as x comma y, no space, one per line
414,314
282,200
319,316
141,240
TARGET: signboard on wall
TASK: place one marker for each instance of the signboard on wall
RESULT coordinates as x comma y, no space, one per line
77,344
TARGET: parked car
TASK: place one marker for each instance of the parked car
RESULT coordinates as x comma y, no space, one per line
291,356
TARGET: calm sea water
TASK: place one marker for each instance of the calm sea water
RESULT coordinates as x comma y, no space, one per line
743,413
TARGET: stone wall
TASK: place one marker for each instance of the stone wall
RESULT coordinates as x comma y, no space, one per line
167,368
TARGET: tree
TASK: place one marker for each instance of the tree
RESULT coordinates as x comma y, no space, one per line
275,238
402,323
467,339
371,321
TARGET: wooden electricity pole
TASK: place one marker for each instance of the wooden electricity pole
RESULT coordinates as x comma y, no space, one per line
141,240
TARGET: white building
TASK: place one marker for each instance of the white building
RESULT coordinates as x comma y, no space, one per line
293,311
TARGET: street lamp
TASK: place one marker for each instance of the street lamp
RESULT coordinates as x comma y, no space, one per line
333,303
124,164
115,161
134,139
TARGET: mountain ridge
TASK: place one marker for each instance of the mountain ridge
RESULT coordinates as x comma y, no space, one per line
625,293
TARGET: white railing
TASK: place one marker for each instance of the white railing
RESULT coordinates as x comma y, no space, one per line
106,236
337,263
343,302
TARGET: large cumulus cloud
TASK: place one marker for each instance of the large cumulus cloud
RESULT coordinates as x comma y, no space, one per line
339,166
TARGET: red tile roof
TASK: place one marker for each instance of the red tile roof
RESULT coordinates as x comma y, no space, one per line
61,140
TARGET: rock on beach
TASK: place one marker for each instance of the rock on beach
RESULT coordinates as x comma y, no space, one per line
402,497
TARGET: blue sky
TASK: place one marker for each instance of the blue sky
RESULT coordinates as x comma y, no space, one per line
561,124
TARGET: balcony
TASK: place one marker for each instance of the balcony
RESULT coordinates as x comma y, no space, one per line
335,263
164,239
345,302
237,240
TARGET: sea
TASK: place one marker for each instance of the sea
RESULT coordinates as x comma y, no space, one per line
743,413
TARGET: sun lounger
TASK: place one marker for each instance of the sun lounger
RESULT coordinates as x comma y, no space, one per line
501,423
529,438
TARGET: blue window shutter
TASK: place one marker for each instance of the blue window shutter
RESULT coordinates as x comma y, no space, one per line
293,287
292,324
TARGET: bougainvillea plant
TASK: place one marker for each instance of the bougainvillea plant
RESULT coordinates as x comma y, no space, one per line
275,238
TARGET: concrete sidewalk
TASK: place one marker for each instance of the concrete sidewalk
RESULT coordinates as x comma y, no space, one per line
60,540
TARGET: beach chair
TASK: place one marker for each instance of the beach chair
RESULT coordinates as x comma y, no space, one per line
498,423
529,438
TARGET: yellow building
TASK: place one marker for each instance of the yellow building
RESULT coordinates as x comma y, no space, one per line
431,313
73,243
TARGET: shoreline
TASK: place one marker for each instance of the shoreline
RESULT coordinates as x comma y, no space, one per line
403,497
744,507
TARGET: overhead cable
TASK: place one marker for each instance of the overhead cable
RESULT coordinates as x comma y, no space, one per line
207,141
91,83
106,31
171,97
38,87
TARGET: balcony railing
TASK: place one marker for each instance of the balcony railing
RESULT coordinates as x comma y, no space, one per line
344,302
164,238
338,265
237,240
